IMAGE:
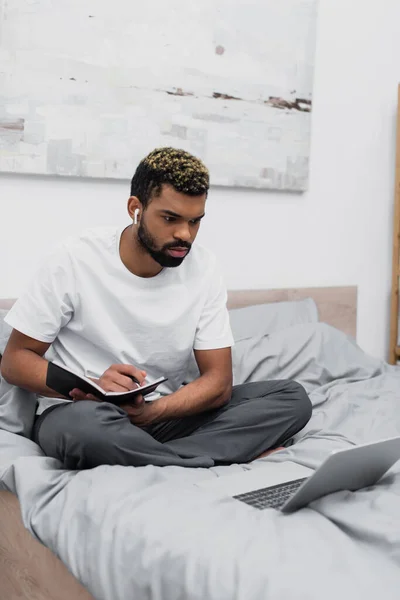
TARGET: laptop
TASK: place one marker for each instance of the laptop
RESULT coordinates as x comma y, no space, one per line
287,486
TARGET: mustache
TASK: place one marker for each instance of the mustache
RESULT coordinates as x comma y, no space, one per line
177,245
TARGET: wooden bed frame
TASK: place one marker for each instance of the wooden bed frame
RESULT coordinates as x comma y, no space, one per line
28,570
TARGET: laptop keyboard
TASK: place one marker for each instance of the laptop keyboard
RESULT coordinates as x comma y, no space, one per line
271,497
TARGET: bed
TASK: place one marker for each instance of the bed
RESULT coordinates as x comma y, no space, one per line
116,533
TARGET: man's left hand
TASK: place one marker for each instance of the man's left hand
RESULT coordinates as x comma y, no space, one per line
144,414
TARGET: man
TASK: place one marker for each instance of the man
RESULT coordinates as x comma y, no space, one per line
116,305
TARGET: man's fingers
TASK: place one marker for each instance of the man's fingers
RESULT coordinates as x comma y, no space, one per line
138,400
91,397
130,371
77,395
132,411
126,382
122,378
120,383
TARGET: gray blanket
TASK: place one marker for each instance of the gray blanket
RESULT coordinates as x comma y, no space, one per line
148,533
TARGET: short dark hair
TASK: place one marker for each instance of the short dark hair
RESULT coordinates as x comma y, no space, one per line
182,170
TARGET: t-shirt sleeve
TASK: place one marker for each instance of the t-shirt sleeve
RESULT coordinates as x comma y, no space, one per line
214,330
47,303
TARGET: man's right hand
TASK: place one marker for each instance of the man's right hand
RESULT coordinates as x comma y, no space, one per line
117,378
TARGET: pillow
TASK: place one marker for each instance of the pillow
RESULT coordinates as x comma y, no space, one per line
5,330
261,319
17,409
17,406
314,354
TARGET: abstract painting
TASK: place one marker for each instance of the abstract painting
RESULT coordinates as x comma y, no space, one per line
89,88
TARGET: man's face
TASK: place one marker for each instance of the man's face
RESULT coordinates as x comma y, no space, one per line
169,225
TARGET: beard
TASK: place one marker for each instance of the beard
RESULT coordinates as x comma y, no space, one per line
160,255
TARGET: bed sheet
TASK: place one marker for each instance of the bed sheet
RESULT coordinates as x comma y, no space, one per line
148,533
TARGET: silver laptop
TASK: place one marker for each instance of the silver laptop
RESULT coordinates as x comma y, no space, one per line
287,486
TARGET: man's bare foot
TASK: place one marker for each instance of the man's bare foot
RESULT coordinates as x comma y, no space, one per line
267,452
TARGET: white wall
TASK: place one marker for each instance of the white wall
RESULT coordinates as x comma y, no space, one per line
338,233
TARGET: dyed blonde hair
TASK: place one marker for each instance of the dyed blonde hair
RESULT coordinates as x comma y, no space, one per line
186,173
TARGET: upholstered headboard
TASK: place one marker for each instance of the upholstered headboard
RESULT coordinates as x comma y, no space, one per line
337,306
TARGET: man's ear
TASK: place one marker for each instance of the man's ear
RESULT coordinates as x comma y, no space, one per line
134,204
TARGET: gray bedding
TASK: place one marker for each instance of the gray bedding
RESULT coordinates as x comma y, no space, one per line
148,533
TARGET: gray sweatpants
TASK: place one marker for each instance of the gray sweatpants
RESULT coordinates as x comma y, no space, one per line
259,416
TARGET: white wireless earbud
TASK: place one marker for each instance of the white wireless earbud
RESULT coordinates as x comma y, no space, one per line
135,216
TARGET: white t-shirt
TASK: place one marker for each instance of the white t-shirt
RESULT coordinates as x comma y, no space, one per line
96,313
